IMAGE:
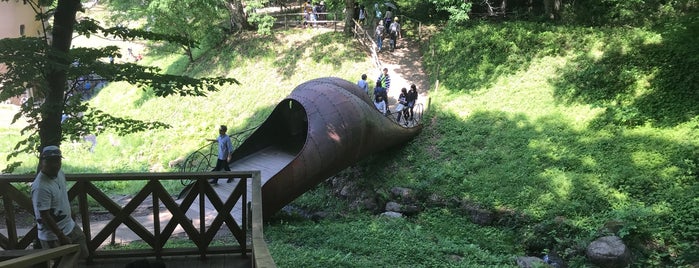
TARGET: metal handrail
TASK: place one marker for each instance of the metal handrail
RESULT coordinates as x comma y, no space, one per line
418,110
203,159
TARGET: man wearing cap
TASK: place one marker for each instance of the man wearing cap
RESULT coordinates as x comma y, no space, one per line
225,148
51,205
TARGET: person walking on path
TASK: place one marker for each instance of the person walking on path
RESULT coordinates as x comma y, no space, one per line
394,33
362,83
54,220
389,16
378,33
385,81
225,148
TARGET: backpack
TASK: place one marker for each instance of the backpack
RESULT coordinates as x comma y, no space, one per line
394,28
379,91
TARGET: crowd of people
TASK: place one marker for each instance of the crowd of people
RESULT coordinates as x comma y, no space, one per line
406,100
313,13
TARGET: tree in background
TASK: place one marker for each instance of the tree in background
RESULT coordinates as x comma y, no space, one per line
196,20
48,67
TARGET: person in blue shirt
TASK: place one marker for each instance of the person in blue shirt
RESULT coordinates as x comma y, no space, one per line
363,84
225,148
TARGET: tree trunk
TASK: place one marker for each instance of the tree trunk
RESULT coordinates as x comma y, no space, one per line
349,14
553,9
188,51
50,131
238,18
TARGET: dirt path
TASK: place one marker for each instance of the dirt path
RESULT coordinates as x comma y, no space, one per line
405,68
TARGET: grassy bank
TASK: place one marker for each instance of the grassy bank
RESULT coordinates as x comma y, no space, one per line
267,67
575,128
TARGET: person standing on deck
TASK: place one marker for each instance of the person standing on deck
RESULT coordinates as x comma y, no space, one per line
52,209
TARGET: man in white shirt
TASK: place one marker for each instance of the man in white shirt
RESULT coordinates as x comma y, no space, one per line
52,210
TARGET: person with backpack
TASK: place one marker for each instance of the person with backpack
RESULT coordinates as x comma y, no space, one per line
394,33
381,94
379,35
387,19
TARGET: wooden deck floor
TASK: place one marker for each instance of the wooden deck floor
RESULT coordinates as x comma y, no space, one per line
214,261
268,161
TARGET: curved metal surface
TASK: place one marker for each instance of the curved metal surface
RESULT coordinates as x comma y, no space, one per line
328,124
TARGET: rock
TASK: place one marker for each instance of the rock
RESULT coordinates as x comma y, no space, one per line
402,193
370,204
410,209
176,163
346,191
530,262
478,215
435,199
393,206
609,252
392,214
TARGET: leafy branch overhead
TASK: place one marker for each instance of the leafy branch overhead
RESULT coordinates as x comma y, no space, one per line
55,109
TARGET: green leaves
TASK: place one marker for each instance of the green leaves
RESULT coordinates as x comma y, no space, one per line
32,64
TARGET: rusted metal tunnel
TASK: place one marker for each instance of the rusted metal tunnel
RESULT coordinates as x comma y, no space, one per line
328,124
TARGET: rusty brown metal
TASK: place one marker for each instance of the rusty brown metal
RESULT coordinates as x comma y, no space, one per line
328,124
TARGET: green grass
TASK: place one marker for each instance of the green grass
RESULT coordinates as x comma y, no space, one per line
568,127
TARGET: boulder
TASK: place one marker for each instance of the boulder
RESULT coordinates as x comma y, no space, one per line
402,193
609,252
392,214
530,262
393,206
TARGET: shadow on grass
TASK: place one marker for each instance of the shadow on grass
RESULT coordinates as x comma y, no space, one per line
327,48
476,58
571,182
638,82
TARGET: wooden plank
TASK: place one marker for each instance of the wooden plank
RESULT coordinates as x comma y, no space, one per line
178,217
11,223
44,256
261,255
120,216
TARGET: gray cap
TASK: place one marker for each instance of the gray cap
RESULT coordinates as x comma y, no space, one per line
51,151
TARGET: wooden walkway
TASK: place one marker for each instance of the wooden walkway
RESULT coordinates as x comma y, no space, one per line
226,260
268,161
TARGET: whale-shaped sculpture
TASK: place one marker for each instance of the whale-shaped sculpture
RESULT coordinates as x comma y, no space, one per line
328,124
